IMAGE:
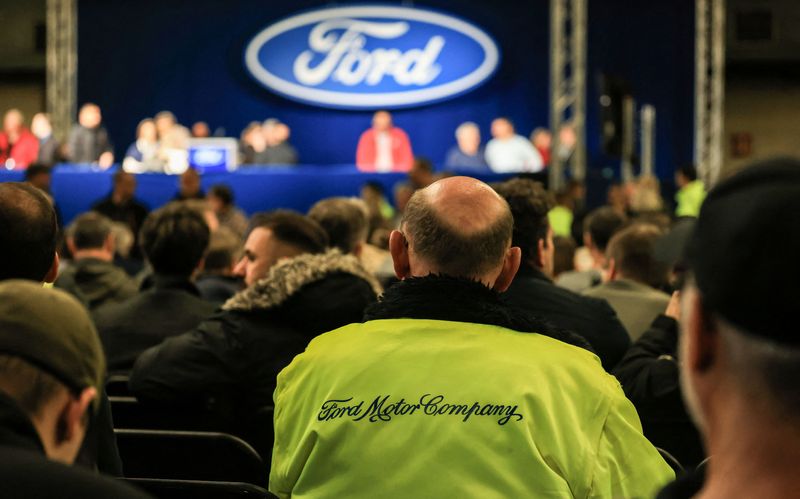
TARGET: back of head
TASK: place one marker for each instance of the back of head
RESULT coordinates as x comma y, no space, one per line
293,229
174,239
689,171
223,193
36,169
529,205
223,248
90,230
459,227
602,224
28,232
344,220
633,252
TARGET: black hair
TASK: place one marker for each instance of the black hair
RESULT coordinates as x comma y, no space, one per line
28,232
293,229
174,239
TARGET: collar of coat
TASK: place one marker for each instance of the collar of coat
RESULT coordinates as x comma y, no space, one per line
287,277
439,297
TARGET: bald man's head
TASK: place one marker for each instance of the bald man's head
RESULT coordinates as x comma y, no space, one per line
459,227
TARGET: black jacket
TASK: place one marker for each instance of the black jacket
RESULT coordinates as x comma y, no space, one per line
230,362
218,288
173,306
96,282
591,318
25,471
649,375
131,213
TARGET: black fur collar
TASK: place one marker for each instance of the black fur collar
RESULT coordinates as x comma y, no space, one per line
457,299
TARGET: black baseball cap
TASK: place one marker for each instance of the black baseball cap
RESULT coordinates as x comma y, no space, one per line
744,249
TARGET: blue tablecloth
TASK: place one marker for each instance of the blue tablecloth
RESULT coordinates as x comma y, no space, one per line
76,188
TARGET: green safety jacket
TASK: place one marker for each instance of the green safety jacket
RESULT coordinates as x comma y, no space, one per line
690,198
431,408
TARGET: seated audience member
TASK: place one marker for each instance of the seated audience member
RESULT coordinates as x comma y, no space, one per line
467,154
740,355
508,152
278,151
295,291
28,237
598,228
88,140
384,147
421,174
18,146
645,200
560,216
122,206
142,155
174,241
51,374
443,371
635,278
691,191
533,290
617,199
49,148
93,278
252,144
344,221
542,140
173,139
41,177
379,211
200,130
563,255
218,282
189,186
222,202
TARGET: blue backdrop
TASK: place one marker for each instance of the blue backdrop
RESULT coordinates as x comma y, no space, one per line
137,58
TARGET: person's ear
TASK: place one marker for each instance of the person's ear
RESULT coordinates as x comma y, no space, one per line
703,342
71,245
359,247
612,269
541,247
71,422
398,247
511,264
110,244
52,274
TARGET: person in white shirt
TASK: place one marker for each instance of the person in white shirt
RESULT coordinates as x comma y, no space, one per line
508,152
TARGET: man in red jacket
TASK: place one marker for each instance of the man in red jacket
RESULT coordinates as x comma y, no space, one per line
18,146
384,147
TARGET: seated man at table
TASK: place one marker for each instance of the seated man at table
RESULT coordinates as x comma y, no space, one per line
446,392
122,206
384,147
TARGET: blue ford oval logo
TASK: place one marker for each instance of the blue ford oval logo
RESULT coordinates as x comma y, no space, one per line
369,57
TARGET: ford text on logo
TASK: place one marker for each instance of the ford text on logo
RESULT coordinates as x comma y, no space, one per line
370,57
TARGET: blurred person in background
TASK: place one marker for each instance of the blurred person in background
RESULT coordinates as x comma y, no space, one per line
189,186
598,228
635,278
41,177
563,255
617,199
18,146
200,130
421,174
252,144
560,216
532,288
384,147
173,140
509,152
143,154
88,140
380,213
467,154
93,277
542,140
278,151
49,147
122,206
218,282
223,203
691,191
174,240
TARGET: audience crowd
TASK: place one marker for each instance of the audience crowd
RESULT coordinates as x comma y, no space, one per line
447,338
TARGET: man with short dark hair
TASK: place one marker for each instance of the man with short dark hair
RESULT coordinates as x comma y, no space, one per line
344,221
533,290
635,278
691,191
28,234
88,140
222,202
51,373
174,241
295,290
217,282
93,278
454,392
122,206
739,348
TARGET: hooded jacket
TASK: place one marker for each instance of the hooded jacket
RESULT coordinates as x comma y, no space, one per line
96,282
447,392
231,360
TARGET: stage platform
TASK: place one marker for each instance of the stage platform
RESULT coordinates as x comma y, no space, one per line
77,187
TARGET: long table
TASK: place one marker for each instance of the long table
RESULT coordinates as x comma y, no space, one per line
76,187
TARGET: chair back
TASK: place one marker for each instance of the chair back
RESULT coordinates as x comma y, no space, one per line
192,489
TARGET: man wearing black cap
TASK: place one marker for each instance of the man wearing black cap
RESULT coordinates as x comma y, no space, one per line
740,351
51,371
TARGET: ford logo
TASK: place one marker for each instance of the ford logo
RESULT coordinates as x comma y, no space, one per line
369,57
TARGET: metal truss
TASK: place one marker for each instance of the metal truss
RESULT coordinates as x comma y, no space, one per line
567,86
709,88
62,64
